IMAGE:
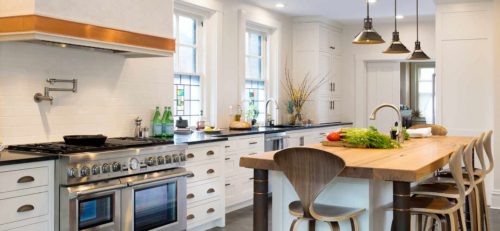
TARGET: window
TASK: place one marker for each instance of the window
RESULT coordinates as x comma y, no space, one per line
255,72
426,93
187,78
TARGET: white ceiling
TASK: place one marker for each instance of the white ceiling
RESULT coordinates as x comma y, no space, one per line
348,10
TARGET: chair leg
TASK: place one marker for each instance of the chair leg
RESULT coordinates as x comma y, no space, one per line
453,219
472,212
484,206
334,226
461,219
354,224
312,225
478,209
295,224
443,223
419,222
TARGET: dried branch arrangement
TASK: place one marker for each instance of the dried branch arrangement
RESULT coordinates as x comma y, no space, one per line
299,94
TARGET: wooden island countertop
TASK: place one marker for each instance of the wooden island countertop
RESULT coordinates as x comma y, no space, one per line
416,159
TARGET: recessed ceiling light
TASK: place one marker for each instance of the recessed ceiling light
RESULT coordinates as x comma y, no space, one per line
372,1
400,16
279,5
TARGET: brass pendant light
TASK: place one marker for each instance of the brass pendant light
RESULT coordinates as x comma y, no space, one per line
396,47
368,35
418,53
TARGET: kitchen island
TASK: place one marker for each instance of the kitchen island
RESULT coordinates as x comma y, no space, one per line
365,182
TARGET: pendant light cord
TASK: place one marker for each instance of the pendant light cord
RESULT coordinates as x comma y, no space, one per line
417,22
367,9
395,15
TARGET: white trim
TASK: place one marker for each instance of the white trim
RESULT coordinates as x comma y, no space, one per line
495,199
329,23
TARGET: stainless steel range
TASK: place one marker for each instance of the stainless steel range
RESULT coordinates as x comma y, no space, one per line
125,184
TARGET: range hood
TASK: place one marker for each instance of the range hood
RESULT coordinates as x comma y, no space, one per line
64,33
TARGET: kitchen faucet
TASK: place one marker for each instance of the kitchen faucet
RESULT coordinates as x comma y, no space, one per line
399,133
269,122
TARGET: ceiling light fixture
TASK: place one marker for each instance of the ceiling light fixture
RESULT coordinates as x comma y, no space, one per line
279,5
418,53
372,1
399,16
368,35
396,47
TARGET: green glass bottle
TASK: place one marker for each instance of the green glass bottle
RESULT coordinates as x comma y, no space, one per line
167,123
157,126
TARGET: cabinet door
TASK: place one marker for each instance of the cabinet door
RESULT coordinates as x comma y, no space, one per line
326,71
336,77
326,40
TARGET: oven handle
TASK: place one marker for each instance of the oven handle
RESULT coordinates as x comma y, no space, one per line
160,178
77,194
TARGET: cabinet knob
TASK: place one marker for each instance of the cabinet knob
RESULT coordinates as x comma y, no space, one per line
228,185
25,179
210,190
210,210
227,158
25,208
332,47
190,217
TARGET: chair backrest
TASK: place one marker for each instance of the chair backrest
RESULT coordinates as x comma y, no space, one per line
456,171
468,162
436,130
479,151
489,151
309,170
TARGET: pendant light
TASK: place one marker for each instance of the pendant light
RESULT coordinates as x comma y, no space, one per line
368,35
418,53
396,47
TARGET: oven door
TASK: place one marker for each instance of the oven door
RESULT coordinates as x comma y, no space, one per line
91,207
155,201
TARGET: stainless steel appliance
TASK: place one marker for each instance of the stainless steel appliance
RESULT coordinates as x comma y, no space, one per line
126,184
275,141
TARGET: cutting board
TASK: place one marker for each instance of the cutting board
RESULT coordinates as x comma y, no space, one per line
340,144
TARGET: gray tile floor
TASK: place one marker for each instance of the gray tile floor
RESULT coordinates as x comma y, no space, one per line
241,220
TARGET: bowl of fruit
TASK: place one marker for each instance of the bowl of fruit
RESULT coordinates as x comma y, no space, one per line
212,130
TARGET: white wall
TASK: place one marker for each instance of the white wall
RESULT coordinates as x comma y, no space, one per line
496,106
228,79
351,52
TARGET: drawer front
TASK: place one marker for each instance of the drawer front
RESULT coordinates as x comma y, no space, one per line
231,165
204,212
204,172
200,154
203,192
23,179
238,190
256,144
24,207
42,226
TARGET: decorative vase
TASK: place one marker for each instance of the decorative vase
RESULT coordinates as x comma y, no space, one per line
298,119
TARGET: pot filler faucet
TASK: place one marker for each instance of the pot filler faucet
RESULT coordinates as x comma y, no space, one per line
39,97
400,135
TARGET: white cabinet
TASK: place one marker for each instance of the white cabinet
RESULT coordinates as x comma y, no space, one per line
27,196
205,189
310,136
315,54
238,180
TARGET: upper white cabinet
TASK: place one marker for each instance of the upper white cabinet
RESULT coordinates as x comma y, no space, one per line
315,53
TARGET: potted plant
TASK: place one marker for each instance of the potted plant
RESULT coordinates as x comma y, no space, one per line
252,112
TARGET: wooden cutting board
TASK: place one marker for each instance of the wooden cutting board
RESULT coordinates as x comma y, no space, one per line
340,144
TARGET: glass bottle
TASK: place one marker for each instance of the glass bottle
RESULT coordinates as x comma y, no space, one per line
157,126
167,123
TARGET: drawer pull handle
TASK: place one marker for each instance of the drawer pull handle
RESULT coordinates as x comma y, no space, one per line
190,196
210,210
228,158
251,143
251,178
191,175
210,153
25,208
190,155
322,134
227,146
210,190
253,153
25,179
228,185
210,171
190,217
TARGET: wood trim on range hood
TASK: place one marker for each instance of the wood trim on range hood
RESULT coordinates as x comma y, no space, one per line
46,29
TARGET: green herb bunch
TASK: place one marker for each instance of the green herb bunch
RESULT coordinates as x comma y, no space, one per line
369,138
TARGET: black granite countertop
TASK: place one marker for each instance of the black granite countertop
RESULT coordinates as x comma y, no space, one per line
8,158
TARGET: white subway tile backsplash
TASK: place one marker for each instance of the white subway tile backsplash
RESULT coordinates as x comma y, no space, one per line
112,92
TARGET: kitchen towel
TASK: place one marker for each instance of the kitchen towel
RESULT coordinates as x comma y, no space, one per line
420,132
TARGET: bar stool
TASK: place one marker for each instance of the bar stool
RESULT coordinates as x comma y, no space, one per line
441,209
310,171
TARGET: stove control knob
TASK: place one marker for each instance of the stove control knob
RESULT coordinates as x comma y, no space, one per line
161,160
85,171
168,159
151,161
182,156
134,164
175,158
106,168
117,167
72,172
96,170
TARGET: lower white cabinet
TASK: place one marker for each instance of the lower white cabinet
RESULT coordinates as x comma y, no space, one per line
27,196
205,189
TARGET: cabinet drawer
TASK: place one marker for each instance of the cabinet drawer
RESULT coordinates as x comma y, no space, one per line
204,212
238,190
23,179
200,154
203,192
42,226
24,207
231,165
204,172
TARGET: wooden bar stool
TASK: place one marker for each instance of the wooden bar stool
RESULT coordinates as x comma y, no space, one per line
446,212
310,171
